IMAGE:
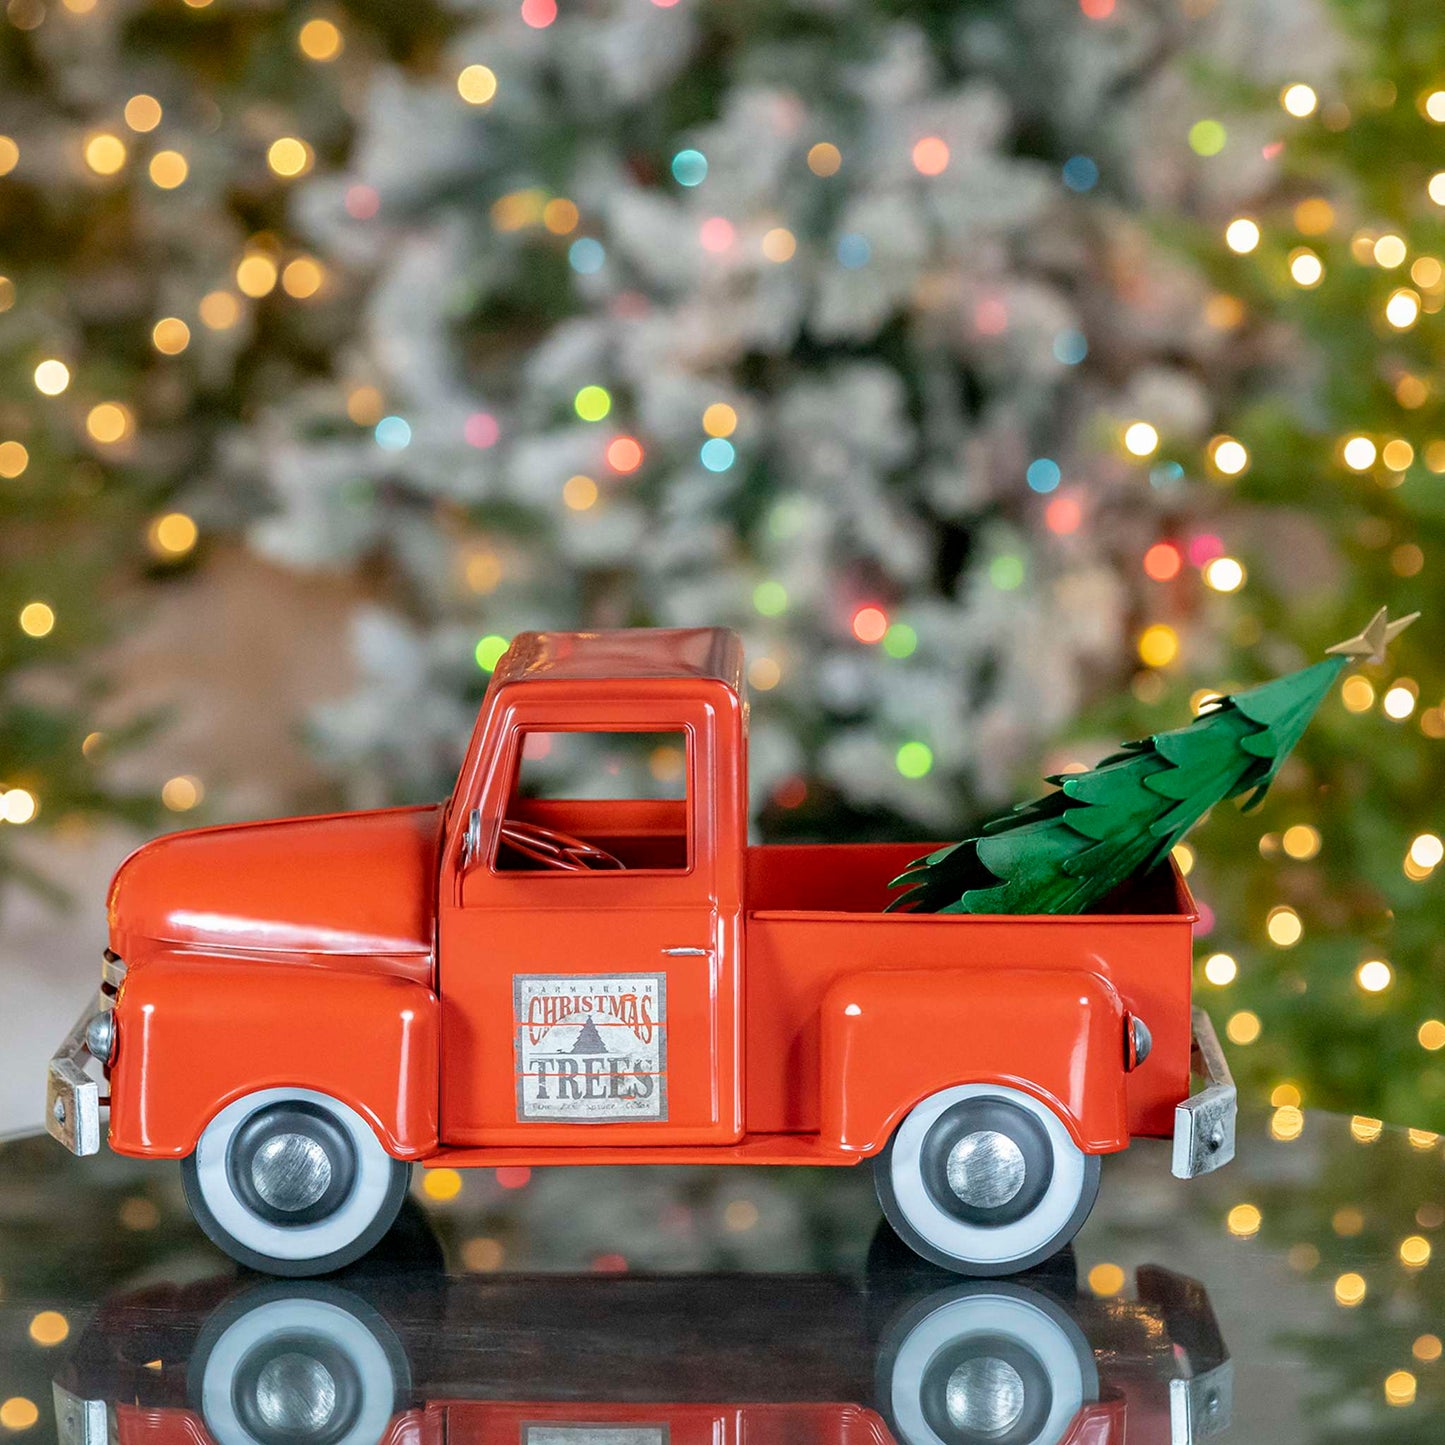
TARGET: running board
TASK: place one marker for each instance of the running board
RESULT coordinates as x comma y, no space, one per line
750,1149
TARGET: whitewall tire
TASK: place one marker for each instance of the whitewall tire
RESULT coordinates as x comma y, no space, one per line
985,1180
996,1364
293,1182
298,1365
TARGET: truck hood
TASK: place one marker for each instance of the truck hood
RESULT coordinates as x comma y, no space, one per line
360,884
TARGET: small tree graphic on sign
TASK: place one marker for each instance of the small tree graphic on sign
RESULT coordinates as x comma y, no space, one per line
589,1041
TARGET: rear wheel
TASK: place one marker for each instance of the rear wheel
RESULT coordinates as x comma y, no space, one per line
293,1182
985,1180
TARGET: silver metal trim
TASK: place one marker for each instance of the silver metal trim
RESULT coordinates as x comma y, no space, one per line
112,973
72,1097
80,1422
1202,1406
1204,1123
687,952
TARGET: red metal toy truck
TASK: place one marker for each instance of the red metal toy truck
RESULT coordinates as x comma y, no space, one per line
607,972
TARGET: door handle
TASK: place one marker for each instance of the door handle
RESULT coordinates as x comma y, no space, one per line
687,952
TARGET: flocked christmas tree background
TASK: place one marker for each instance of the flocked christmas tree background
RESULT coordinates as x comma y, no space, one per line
1014,377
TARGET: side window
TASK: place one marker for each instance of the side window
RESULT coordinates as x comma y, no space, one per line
597,801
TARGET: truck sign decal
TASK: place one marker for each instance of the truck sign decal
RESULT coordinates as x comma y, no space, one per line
591,1048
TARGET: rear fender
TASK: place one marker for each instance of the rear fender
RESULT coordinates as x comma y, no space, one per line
196,1032
890,1039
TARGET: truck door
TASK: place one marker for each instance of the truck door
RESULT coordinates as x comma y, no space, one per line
588,972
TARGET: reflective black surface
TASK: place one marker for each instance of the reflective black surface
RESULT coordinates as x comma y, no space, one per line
1295,1296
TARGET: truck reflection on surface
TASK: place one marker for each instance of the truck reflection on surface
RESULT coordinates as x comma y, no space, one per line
416,1359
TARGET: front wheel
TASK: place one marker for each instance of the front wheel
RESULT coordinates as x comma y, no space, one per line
985,1180
293,1182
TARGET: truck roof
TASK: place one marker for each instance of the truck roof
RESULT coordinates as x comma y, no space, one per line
630,652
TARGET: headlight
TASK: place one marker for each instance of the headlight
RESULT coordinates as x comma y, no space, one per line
100,1036
1138,1042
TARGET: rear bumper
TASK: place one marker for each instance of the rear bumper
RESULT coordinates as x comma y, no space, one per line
1204,1123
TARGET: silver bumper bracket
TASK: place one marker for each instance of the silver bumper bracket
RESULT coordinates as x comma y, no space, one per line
72,1098
1204,1123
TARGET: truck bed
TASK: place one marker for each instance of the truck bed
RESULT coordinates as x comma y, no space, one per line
814,912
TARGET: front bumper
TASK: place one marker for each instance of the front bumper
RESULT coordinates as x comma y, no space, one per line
1204,1123
73,1098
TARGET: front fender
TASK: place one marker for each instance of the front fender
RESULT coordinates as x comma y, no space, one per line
890,1039
194,1033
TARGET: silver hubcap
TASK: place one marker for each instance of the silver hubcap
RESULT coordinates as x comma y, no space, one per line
295,1392
985,1169
291,1172
984,1396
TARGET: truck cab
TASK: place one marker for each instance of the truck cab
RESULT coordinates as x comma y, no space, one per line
579,959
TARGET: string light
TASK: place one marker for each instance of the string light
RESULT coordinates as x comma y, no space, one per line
1141,439
1431,1035
1402,310
302,278
182,793
1230,457
1241,235
289,157
592,403
1163,562
1400,700
1224,574
824,159
1220,969
172,535
1389,251
1400,1388
105,153
1158,645
770,598
1106,1279
870,624
52,377
579,493
1305,268
624,454
538,14
1283,926
914,760
1287,1123
1243,1221
319,40
689,168
1374,975
489,651
13,460
1299,100
37,619
560,216
1314,216
18,806
1359,453
716,454
719,420
1397,454
168,169
1207,137
1301,842
1243,1028
1436,188
170,336
219,310
108,422
716,235
142,113
1364,1130
1350,1290
931,156
779,245
256,275
49,1328
477,85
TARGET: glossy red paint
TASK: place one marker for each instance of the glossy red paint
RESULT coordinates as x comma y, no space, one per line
359,885
200,1031
380,957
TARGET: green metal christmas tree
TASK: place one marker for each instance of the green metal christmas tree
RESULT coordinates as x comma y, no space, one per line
1064,852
